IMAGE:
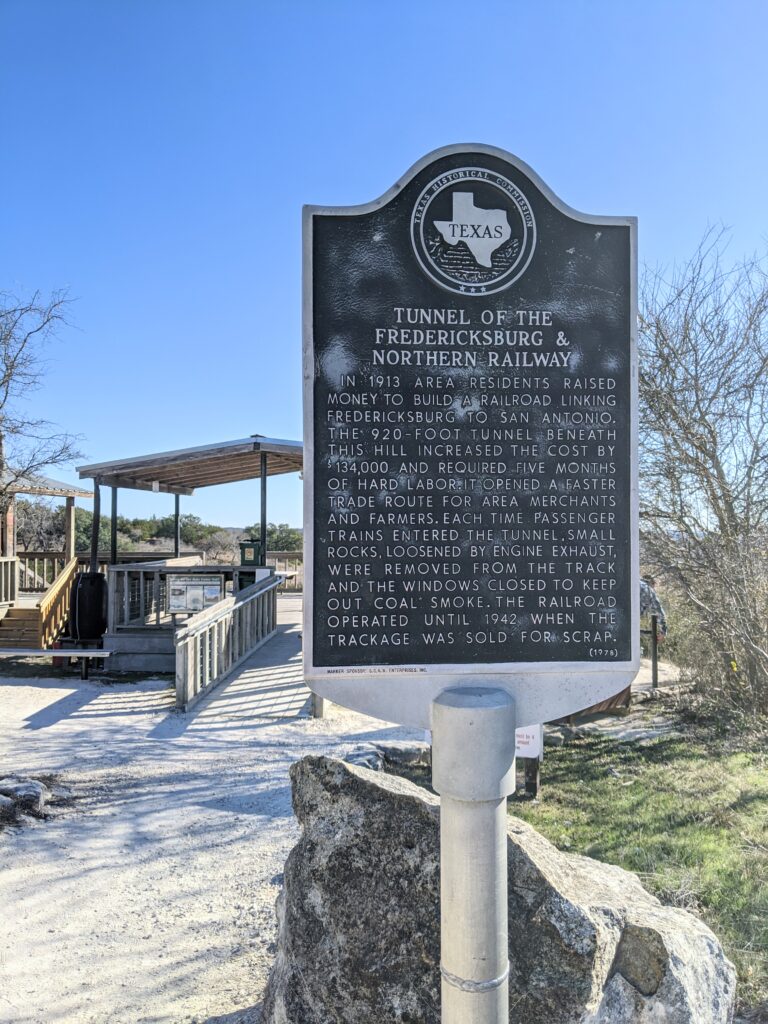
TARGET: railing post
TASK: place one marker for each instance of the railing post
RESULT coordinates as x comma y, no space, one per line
214,629
126,598
206,674
654,651
182,669
111,600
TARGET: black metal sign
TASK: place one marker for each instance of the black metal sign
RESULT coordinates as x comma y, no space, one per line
470,404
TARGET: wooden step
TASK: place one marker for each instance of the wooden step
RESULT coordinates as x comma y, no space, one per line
20,627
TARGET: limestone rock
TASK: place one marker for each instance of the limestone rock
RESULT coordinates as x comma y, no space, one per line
358,916
394,754
359,922
8,809
366,757
402,752
28,794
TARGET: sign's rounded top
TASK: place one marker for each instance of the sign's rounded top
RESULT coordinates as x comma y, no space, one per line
470,149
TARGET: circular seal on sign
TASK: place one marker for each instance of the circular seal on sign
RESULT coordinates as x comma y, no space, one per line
473,231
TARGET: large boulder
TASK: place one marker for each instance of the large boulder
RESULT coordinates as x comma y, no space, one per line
358,922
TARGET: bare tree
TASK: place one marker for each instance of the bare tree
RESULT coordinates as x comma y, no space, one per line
704,455
27,444
220,546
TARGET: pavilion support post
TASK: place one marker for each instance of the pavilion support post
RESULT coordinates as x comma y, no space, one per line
95,527
12,526
263,508
69,529
176,526
8,528
113,530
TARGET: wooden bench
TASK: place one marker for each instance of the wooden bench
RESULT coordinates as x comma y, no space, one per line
56,652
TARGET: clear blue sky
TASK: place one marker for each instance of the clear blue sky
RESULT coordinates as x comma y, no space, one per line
156,155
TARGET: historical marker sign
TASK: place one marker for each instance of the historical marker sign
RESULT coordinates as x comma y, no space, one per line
470,421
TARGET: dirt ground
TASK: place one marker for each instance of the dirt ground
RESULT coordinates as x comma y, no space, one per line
150,897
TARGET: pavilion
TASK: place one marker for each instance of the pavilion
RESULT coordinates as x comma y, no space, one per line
146,629
181,472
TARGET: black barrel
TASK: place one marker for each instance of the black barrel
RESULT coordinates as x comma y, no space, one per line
88,606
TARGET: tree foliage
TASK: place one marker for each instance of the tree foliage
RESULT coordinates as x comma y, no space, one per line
192,529
84,528
40,527
704,457
280,536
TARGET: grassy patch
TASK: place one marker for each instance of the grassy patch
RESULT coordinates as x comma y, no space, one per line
689,816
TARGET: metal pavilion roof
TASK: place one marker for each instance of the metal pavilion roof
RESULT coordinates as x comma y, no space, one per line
182,471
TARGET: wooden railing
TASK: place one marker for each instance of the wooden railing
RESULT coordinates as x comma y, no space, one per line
290,565
8,580
138,592
84,564
54,607
216,640
39,569
125,557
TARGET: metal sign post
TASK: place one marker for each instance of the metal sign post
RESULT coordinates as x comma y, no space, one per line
473,758
471,552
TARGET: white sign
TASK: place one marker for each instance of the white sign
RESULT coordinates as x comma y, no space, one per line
529,742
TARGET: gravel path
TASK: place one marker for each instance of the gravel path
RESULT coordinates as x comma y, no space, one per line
151,897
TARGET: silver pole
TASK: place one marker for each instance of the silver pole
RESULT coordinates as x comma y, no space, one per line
473,758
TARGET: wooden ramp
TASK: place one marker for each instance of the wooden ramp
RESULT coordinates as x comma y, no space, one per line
270,683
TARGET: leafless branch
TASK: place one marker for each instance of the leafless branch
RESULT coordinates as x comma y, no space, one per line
703,378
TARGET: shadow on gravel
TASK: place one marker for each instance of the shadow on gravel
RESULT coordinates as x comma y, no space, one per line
249,1015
